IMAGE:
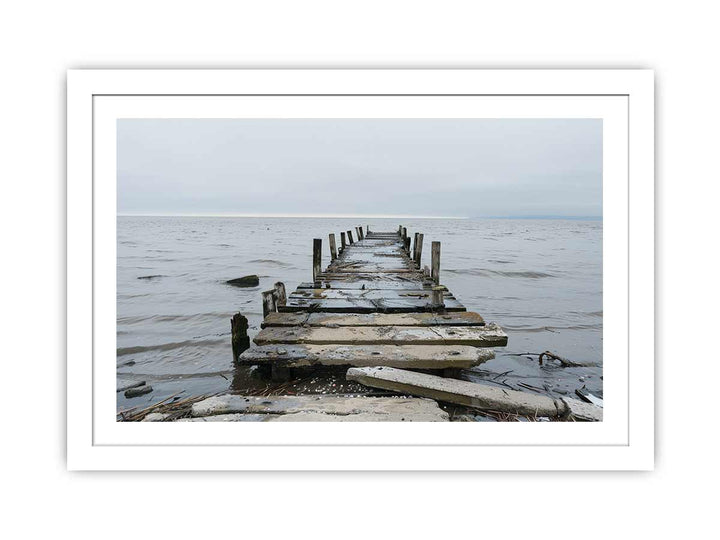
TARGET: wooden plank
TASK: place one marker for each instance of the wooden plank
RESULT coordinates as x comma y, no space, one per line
368,294
377,285
469,394
369,269
490,335
236,408
375,276
303,318
350,305
408,356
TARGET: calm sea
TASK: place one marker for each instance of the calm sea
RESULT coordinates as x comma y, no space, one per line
541,280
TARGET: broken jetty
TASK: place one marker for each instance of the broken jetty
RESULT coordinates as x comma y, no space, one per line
390,325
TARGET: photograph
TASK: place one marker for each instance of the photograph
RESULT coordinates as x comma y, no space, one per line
359,269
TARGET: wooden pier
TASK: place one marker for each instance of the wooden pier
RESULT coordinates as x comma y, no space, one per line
399,336
374,305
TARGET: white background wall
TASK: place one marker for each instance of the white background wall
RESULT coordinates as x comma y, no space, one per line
40,40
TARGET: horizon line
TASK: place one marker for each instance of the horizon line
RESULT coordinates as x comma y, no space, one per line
360,216
342,216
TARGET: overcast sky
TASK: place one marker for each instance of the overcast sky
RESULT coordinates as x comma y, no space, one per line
417,167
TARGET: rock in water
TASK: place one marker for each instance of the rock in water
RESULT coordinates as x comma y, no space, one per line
245,281
134,392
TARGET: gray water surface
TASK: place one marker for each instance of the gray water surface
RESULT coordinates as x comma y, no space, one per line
541,280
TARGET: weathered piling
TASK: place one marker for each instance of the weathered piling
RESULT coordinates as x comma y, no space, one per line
436,301
435,262
280,295
333,247
317,257
342,242
240,338
414,247
418,251
350,237
268,302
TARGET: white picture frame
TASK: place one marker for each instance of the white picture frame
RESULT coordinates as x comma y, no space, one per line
623,98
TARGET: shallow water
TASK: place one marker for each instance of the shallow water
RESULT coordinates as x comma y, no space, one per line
541,280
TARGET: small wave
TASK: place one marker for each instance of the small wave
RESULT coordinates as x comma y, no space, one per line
534,329
174,318
271,262
486,272
123,351
154,276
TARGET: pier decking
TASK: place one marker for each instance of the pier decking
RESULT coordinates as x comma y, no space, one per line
372,306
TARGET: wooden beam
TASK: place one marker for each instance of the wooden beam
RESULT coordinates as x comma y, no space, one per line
359,305
337,320
490,335
370,284
468,394
236,408
368,294
409,356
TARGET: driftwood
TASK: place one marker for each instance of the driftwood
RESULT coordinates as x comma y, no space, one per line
551,356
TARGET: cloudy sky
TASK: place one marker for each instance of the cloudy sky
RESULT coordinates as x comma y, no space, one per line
417,167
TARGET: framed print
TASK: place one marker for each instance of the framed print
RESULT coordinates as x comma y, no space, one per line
360,269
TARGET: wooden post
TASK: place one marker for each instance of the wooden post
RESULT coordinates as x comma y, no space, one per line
357,234
350,237
342,242
317,257
435,262
368,228
361,233
238,331
414,250
418,250
333,247
268,302
400,230
407,244
404,233
280,295
436,300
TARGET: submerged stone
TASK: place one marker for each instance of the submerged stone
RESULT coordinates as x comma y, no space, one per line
245,281
134,392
